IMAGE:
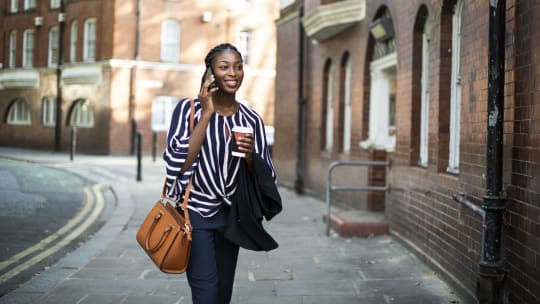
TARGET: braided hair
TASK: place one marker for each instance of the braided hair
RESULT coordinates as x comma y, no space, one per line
211,56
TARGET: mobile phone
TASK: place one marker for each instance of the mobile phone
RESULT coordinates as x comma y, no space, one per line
207,74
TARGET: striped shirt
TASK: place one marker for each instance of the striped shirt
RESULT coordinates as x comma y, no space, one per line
215,169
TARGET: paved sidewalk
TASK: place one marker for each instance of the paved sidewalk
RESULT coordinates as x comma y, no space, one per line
307,268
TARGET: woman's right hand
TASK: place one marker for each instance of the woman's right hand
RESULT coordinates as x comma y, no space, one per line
205,95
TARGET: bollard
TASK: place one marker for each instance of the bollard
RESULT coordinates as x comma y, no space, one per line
139,156
73,143
133,137
154,146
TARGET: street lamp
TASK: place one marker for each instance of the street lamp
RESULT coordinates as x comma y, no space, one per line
382,28
59,64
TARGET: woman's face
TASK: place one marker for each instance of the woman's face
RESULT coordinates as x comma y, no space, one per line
228,71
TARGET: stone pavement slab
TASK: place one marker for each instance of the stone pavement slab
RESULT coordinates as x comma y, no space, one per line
307,268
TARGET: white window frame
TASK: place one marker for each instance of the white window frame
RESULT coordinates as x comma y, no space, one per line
424,102
82,115
28,48
347,115
170,40
162,110
243,41
330,110
53,47
89,51
19,114
49,111
55,3
14,7
12,49
455,91
73,35
29,4
382,135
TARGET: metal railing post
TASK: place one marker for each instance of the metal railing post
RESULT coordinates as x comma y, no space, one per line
154,146
73,143
139,156
330,187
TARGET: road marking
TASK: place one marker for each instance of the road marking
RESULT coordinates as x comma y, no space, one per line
43,243
65,241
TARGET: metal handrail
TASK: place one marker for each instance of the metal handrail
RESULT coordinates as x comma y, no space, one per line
330,187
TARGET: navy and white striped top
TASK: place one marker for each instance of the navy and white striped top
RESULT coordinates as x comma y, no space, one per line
215,169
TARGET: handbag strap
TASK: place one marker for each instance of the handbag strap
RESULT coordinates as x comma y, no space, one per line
188,188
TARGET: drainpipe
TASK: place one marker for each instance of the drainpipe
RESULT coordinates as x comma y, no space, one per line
299,182
490,269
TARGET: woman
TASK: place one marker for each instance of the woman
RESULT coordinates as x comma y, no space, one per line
206,154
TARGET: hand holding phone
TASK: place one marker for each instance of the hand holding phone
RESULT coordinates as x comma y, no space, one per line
207,75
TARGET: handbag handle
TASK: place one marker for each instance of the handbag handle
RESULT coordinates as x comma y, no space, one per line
151,229
187,225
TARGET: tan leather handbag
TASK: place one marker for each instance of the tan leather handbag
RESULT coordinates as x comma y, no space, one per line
165,234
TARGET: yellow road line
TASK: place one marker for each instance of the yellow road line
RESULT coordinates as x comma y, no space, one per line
65,241
43,243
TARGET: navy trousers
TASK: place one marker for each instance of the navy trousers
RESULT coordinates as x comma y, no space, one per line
212,261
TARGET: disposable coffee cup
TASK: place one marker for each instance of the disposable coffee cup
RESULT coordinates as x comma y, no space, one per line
239,132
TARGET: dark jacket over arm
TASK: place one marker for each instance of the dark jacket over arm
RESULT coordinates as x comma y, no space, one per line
256,197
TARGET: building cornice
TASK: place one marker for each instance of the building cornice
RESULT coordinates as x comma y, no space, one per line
23,78
328,20
82,74
91,73
289,13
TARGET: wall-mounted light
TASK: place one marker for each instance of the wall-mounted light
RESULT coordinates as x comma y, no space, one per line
38,21
61,17
382,28
206,17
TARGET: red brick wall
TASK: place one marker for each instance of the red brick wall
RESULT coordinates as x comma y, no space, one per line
523,157
419,205
115,33
285,145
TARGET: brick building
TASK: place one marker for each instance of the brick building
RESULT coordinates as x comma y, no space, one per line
124,64
416,94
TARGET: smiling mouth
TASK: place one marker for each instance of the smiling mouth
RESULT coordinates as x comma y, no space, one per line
231,83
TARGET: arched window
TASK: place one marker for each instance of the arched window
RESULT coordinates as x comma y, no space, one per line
424,85
170,40
455,90
162,109
19,113
53,46
420,103
344,140
49,111
81,115
382,75
327,118
89,50
73,35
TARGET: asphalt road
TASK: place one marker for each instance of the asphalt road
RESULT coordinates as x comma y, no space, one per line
45,212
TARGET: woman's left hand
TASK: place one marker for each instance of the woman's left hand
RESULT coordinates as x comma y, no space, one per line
246,144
